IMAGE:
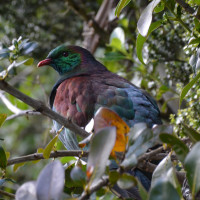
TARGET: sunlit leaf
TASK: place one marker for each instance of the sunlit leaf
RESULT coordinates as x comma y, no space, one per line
27,191
105,118
191,133
113,176
100,148
188,87
50,182
3,159
120,6
194,41
192,166
177,145
17,166
145,19
2,118
141,40
7,155
160,7
29,61
49,147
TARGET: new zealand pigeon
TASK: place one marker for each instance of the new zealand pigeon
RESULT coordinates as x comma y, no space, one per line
86,85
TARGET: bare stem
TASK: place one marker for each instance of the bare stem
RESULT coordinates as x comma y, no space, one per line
39,156
7,194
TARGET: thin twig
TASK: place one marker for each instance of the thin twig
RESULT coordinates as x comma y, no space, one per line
42,108
103,182
7,194
22,113
39,156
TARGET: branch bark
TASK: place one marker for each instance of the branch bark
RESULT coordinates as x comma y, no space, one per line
7,194
42,108
39,156
187,8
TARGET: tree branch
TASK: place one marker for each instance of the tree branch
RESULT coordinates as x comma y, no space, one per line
7,194
103,182
187,8
22,113
79,11
39,156
42,108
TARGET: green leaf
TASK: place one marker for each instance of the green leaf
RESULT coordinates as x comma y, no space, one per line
16,166
191,133
113,176
160,7
2,118
192,166
188,87
3,159
29,61
113,56
145,19
142,191
100,148
126,181
69,183
141,40
194,41
161,169
78,175
163,189
177,145
49,147
163,89
120,6
141,138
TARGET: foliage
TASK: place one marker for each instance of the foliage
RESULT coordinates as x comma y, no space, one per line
159,53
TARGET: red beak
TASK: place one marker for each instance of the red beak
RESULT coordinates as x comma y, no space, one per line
44,62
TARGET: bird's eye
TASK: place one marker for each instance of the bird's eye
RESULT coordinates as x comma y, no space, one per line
65,54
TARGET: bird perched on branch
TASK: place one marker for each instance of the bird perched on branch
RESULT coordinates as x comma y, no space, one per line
86,85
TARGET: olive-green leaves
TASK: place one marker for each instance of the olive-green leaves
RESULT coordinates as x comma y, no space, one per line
188,87
2,118
3,159
120,6
177,145
49,147
141,39
192,166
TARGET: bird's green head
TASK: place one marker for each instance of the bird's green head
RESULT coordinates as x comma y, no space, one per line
65,59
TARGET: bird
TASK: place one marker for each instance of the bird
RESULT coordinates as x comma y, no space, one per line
85,85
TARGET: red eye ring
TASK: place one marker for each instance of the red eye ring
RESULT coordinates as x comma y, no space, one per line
65,54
